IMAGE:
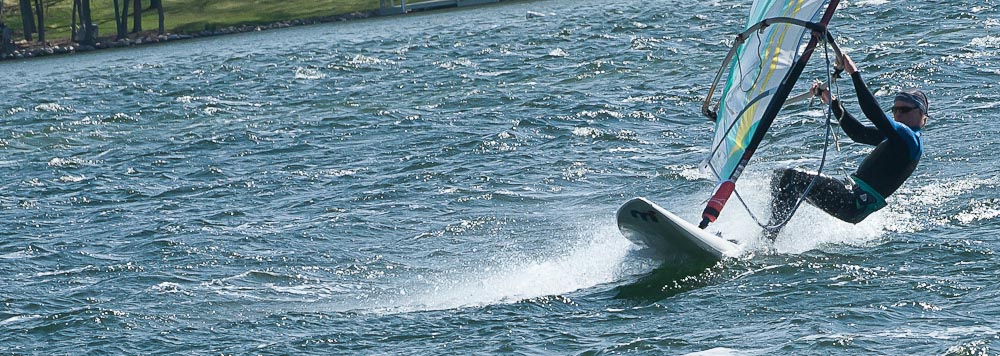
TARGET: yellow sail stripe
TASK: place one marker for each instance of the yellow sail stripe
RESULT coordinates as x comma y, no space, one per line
745,122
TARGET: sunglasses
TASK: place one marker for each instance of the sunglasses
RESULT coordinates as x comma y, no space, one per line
902,109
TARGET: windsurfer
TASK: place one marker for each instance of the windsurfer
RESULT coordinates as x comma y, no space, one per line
898,148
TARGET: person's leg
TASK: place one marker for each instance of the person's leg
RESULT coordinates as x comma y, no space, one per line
834,196
787,185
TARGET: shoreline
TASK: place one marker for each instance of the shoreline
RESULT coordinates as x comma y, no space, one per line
66,46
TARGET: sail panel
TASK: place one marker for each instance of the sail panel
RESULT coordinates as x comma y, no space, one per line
758,69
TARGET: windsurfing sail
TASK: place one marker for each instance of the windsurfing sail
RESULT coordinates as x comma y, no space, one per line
764,63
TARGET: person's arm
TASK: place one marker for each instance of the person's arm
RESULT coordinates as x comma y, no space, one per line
854,129
869,106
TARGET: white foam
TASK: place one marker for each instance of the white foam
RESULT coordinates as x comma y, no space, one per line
949,333
68,162
718,351
52,107
810,228
871,2
987,42
595,256
558,52
71,179
308,73
916,208
911,209
587,132
19,319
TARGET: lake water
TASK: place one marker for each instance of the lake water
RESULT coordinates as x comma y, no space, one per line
446,182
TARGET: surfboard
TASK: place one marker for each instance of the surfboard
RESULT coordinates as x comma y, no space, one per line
650,225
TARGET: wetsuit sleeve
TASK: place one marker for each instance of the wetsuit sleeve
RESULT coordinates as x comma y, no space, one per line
869,106
854,128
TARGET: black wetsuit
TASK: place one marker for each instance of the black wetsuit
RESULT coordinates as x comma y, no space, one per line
897,151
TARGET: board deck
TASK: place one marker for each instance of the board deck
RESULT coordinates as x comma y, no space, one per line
647,224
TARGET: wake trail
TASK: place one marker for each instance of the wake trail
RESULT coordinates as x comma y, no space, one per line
594,254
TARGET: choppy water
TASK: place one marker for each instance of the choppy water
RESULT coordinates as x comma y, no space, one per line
445,183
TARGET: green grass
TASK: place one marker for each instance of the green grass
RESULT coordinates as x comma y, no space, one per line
185,16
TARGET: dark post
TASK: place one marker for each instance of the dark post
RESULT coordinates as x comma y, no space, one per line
6,40
121,19
40,12
72,22
159,12
3,34
136,16
27,19
89,29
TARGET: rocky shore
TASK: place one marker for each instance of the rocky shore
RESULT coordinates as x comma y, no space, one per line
24,49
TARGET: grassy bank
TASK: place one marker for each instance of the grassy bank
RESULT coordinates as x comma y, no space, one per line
186,16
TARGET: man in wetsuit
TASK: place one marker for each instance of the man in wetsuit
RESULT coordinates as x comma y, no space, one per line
898,148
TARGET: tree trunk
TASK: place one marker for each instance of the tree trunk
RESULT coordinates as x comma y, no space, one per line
72,21
136,16
6,35
118,20
121,19
27,19
40,12
159,12
87,21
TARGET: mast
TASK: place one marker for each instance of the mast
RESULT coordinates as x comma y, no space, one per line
726,188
